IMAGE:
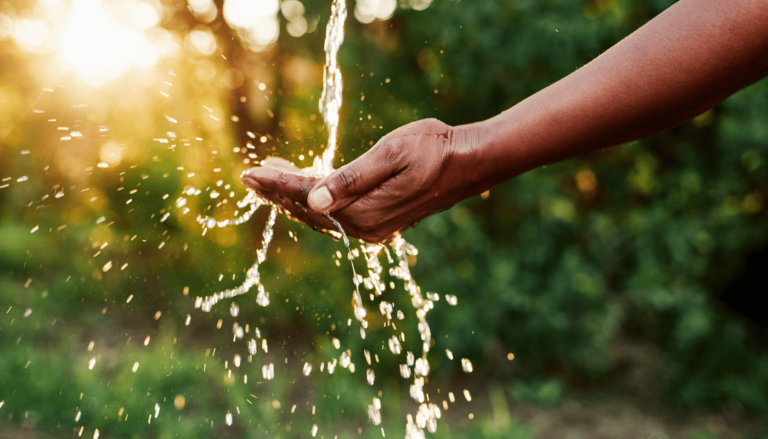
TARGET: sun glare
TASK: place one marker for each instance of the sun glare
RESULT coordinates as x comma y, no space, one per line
98,41
255,21
101,48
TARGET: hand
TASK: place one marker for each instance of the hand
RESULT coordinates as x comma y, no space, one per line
417,170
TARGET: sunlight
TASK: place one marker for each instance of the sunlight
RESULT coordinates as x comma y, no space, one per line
255,21
99,48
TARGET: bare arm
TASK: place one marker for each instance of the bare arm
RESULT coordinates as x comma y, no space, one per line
683,62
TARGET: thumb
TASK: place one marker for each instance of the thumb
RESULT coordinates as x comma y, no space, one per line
354,180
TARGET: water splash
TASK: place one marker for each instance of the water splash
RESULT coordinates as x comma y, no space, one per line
329,104
357,300
252,276
330,100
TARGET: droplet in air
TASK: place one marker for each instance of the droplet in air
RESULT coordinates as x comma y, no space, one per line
268,371
374,412
394,345
421,368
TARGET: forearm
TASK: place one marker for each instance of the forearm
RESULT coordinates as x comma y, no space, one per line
686,60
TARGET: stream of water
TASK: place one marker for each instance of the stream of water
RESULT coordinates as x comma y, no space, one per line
414,367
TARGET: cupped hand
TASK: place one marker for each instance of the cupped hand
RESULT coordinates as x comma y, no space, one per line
417,170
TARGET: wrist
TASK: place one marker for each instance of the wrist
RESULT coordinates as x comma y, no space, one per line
470,145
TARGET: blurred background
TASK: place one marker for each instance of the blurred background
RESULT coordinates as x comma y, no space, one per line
610,296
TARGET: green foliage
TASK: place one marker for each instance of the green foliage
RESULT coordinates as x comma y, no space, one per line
541,392
559,266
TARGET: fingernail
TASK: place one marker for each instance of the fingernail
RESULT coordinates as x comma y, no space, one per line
320,199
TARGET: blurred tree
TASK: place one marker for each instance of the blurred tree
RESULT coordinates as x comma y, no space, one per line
567,267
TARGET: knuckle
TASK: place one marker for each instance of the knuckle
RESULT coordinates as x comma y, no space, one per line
304,190
392,153
348,180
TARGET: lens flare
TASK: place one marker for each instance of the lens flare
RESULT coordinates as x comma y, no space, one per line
99,42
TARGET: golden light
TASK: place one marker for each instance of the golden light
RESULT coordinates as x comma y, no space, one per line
202,41
205,11
144,16
99,47
164,41
293,11
246,14
420,5
255,21
111,153
368,10
179,402
6,26
98,41
297,28
31,34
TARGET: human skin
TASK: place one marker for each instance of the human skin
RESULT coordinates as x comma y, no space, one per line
683,62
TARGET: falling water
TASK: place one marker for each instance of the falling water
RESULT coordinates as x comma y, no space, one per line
330,100
418,368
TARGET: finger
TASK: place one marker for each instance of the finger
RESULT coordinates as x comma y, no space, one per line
395,197
354,180
281,164
297,211
288,185
302,214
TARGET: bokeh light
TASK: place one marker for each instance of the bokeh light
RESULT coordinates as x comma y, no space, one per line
247,13
99,48
6,24
201,40
98,41
205,11
368,10
31,34
293,11
297,28
111,153
255,21
144,16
